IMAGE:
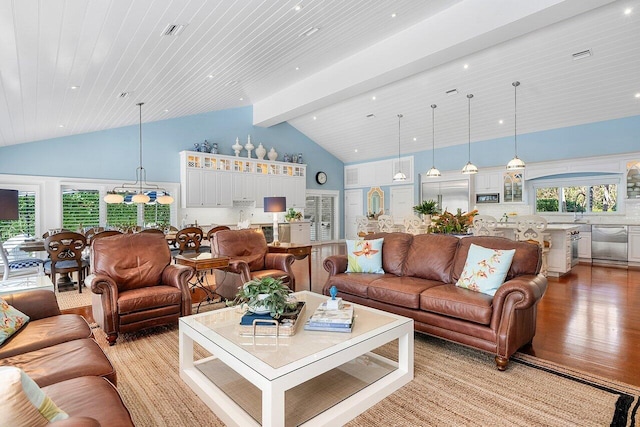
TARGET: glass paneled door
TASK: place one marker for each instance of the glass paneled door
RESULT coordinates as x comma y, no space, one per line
320,211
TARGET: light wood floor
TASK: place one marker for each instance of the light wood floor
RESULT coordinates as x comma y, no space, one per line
588,320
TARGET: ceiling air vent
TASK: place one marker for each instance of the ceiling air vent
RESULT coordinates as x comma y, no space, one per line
123,95
581,55
370,116
452,92
173,30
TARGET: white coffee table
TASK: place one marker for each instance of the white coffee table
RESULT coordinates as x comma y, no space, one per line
311,378
22,284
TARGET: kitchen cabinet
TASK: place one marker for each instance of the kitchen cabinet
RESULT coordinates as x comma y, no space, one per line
213,180
559,257
634,244
584,246
513,185
488,182
299,232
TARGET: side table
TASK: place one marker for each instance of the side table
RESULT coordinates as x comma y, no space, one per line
202,262
298,251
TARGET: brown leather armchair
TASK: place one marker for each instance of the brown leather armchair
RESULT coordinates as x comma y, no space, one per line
250,259
135,286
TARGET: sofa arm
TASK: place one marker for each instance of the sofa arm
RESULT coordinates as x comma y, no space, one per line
529,288
76,422
179,276
335,264
277,261
35,304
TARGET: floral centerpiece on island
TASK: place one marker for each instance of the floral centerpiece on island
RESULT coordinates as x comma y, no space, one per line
448,223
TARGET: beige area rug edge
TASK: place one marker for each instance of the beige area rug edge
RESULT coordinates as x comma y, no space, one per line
453,385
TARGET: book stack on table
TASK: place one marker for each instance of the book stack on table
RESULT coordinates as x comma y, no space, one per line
323,319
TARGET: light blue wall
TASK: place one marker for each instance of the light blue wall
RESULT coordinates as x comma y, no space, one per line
588,140
113,154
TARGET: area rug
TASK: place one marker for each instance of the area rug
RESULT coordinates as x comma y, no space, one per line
453,386
73,299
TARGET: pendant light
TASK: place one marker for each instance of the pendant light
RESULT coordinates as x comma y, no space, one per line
515,163
399,176
140,187
433,172
469,168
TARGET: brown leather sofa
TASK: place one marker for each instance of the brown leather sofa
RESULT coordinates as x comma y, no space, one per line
59,353
135,285
250,259
419,282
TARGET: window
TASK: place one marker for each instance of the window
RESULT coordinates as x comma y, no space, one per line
80,208
157,215
122,215
25,224
592,197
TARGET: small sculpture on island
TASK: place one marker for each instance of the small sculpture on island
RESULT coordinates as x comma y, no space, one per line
273,154
237,147
334,303
249,146
261,152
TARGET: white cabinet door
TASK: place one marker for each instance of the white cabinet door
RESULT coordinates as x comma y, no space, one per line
584,245
300,233
193,188
262,189
559,256
243,186
634,244
488,182
217,189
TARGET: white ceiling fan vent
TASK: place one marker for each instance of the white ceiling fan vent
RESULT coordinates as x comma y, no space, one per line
173,30
582,54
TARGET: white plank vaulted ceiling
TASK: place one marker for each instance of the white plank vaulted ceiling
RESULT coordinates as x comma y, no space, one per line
65,66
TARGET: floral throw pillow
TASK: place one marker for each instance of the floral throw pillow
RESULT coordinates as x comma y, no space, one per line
365,256
10,320
485,269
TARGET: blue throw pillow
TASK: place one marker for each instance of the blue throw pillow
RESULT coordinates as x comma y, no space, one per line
485,269
365,256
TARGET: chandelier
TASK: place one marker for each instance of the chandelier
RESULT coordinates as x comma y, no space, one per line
516,163
140,189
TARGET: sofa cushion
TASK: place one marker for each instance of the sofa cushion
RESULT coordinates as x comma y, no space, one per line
23,403
450,300
394,250
46,332
401,291
92,397
11,320
354,283
148,298
526,261
63,361
365,256
431,256
485,269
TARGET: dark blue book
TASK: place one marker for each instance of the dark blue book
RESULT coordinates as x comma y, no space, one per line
249,317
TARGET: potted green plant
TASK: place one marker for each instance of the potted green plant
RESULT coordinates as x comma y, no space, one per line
292,215
426,209
266,295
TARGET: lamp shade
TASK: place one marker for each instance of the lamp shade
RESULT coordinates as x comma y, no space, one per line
113,198
140,198
9,204
165,199
275,204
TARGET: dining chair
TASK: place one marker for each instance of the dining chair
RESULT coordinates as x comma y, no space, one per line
385,224
531,228
90,232
362,226
485,225
188,239
66,255
152,231
51,231
21,267
213,231
413,225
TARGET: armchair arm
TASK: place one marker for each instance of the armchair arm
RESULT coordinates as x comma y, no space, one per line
240,266
278,261
35,304
335,264
107,288
178,276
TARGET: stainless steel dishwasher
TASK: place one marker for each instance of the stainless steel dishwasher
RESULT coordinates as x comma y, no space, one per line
609,242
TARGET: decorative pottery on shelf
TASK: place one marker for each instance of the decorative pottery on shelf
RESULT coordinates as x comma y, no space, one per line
237,147
261,152
249,146
300,161
273,154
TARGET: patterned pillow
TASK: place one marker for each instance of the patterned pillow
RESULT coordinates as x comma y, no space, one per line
485,269
23,403
365,256
10,320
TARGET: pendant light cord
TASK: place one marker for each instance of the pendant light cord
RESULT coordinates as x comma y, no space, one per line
399,117
433,134
469,96
515,116
140,168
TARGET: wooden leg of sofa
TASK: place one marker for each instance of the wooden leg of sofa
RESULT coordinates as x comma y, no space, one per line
501,363
111,338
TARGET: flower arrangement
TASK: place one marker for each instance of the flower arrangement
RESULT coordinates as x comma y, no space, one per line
427,207
453,224
266,294
293,215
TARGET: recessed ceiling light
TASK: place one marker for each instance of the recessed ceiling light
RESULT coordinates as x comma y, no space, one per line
210,76
309,31
165,110
314,117
373,98
297,8
582,54
415,139
452,92
60,126
241,99
628,11
74,87
393,15
297,68
637,95
465,66
501,121
356,150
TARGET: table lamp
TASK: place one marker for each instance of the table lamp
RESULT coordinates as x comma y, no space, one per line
275,205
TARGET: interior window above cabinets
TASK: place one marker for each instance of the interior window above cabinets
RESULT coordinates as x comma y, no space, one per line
577,196
633,180
512,186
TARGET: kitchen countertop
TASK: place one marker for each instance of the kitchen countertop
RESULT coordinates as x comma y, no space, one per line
550,227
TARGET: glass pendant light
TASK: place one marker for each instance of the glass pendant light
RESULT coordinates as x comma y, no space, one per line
433,172
469,168
399,176
515,163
